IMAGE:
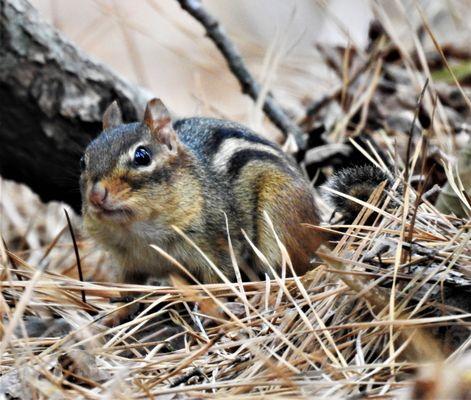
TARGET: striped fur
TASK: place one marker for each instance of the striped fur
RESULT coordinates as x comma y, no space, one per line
220,169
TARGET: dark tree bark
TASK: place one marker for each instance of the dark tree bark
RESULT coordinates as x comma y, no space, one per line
52,97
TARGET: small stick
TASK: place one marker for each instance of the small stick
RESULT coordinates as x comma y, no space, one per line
426,124
77,256
411,132
407,160
237,66
418,200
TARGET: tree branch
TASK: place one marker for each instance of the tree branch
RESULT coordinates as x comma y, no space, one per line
236,64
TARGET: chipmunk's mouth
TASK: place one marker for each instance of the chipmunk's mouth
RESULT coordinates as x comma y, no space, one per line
120,213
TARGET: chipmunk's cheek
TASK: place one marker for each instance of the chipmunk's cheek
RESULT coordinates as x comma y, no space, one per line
142,203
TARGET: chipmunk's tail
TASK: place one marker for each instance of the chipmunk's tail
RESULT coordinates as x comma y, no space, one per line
358,182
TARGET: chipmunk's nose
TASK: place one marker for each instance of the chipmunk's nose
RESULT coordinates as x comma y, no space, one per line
98,194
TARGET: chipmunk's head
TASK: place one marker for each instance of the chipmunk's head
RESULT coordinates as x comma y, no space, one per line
129,167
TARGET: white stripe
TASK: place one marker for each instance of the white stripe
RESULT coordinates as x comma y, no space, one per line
234,145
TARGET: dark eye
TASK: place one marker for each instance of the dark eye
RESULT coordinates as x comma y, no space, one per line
82,163
142,156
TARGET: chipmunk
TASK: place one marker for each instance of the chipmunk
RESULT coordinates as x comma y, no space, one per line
140,180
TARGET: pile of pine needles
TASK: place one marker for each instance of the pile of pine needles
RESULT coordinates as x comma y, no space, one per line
375,309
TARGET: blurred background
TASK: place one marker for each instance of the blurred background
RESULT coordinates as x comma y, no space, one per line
157,45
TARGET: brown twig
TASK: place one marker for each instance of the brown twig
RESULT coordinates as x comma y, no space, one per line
411,132
426,124
418,200
237,66
77,255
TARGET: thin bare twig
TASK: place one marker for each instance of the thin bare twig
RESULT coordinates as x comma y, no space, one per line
411,131
237,66
77,255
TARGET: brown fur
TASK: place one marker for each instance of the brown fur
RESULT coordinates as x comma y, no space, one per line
288,205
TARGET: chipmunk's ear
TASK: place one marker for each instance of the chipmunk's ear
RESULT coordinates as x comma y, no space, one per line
159,121
112,116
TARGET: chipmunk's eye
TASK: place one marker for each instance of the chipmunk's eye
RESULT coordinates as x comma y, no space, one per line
82,163
142,156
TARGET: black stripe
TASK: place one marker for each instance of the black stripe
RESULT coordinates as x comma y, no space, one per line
243,157
205,135
222,134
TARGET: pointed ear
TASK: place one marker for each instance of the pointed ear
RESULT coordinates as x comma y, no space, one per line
158,120
112,116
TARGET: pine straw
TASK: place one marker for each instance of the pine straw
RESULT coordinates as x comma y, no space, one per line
352,325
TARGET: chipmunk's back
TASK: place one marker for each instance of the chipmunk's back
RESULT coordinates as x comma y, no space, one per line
226,147
208,136
257,177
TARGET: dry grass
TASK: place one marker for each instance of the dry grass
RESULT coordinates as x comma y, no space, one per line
387,300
